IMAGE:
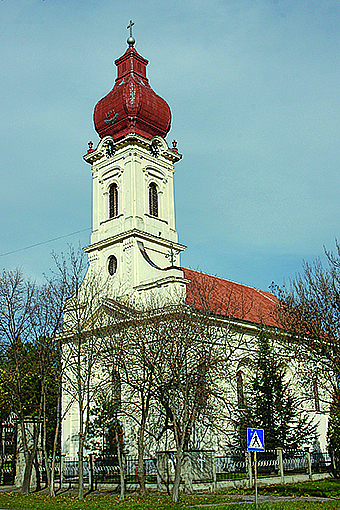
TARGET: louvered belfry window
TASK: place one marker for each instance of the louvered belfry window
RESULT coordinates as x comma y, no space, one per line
113,201
153,200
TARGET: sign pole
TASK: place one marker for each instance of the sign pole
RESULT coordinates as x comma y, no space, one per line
255,477
255,439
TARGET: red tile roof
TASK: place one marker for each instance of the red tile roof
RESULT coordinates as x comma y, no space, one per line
229,298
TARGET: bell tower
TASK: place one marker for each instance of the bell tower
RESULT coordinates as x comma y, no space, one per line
134,240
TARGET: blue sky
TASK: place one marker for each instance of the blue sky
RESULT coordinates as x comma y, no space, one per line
254,91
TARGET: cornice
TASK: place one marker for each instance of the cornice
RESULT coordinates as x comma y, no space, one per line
135,233
161,282
131,140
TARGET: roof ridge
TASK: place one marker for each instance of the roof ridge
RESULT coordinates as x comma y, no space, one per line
266,294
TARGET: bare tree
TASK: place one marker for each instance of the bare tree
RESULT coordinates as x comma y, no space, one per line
133,353
178,359
309,315
82,341
51,305
28,322
115,358
186,377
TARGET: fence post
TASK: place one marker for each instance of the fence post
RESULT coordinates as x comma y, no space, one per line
91,486
249,468
280,462
308,463
62,469
159,466
333,461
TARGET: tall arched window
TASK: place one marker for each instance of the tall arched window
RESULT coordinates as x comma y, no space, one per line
113,201
153,200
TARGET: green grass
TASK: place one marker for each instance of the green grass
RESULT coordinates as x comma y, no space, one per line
327,488
231,476
156,501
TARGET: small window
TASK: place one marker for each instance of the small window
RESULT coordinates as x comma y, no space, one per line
113,201
112,265
153,200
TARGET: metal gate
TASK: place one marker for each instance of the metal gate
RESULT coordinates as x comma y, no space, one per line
8,441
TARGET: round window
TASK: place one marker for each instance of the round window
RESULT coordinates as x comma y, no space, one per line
112,265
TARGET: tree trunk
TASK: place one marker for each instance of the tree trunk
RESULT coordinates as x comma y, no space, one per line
29,457
48,469
81,468
54,452
47,464
37,473
177,481
81,455
140,468
52,480
25,489
121,463
52,466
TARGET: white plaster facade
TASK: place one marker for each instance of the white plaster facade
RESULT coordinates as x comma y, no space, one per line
142,244
140,241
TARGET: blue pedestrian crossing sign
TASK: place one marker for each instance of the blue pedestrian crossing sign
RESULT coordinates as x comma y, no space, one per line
255,440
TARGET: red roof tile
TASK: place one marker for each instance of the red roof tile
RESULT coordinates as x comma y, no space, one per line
229,298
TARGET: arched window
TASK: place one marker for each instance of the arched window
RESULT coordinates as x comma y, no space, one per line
112,265
153,200
113,201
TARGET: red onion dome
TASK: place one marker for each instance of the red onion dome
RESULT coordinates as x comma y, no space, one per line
132,106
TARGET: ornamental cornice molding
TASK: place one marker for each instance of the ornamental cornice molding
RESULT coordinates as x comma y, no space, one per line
161,282
135,233
131,140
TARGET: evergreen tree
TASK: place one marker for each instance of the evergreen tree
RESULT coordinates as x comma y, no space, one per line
272,405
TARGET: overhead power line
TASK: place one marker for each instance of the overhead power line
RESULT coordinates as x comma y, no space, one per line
44,242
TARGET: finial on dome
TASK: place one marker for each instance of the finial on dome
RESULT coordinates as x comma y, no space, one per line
131,40
174,146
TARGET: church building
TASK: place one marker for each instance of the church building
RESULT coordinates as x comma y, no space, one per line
134,242
134,237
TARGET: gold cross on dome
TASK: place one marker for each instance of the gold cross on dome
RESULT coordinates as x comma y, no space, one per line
130,27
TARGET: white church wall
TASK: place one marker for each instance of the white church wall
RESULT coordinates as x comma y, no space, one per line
147,270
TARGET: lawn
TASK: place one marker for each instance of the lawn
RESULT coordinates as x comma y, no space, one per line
219,501
326,488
